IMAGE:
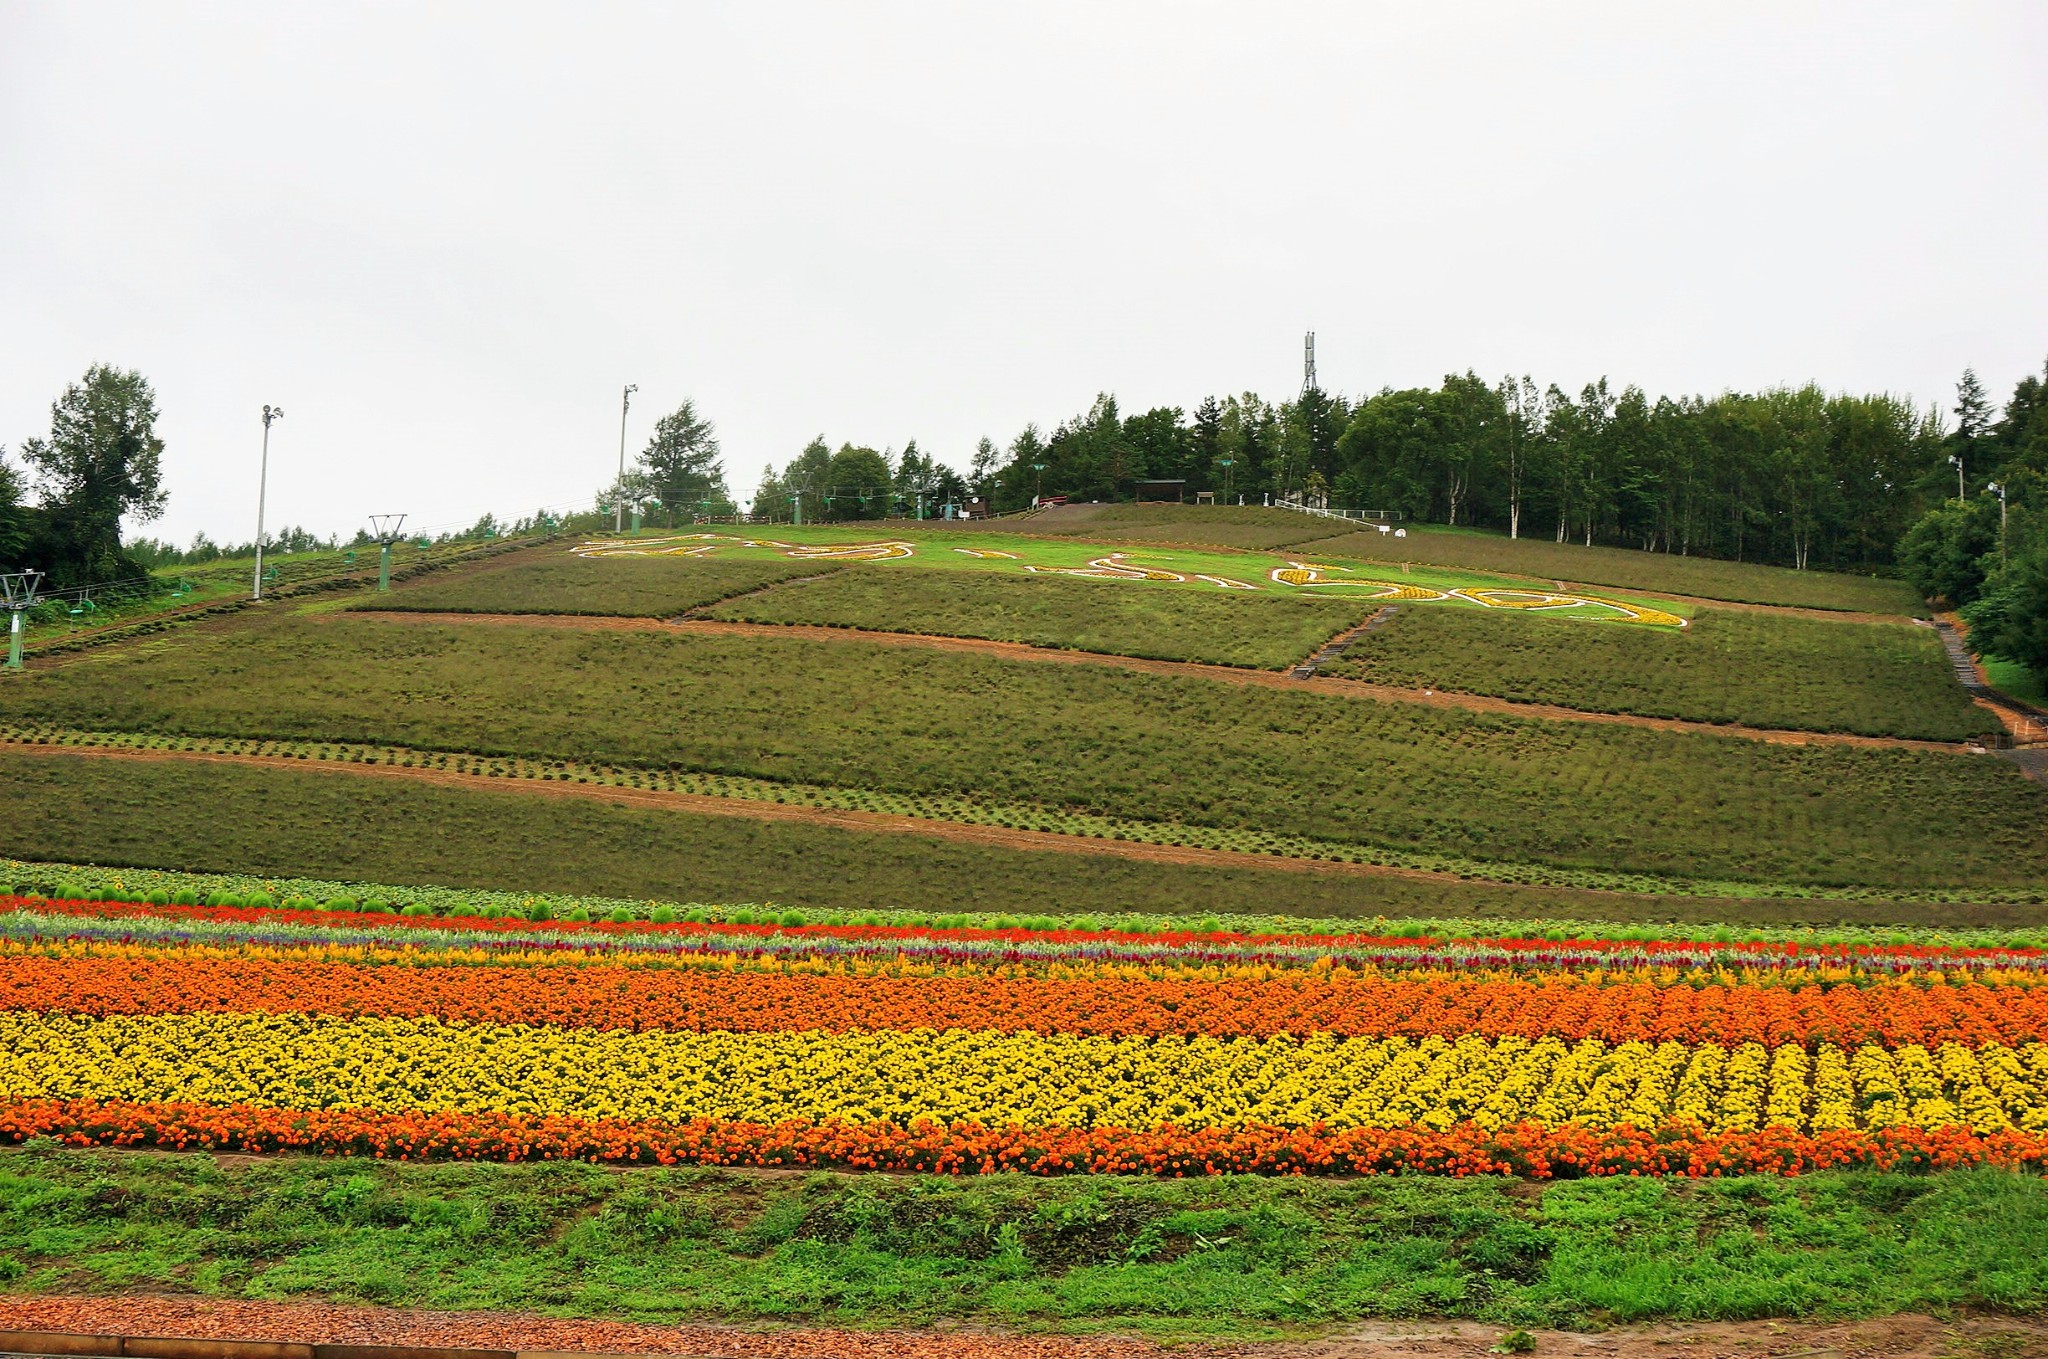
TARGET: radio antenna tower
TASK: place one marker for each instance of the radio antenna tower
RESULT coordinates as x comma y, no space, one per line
1308,363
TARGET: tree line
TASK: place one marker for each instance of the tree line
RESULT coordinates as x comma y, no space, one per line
1986,549
1793,476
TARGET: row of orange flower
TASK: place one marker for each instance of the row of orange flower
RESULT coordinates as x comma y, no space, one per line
1521,1149
1890,1012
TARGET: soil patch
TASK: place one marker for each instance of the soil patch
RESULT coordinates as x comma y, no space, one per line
1897,1337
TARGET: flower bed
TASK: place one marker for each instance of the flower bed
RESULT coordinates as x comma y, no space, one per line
1051,1051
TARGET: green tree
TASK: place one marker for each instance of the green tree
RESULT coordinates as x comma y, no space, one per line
858,484
1944,554
101,463
14,529
981,473
770,500
680,467
807,477
2009,619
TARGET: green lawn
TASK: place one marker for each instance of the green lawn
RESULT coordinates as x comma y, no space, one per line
1248,526
1625,568
1229,1256
1268,631
1197,751
1756,669
552,581
2017,681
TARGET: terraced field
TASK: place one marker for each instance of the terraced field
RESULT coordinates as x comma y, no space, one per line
1267,631
552,580
1758,670
1152,748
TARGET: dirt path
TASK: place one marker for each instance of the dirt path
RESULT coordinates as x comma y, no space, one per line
511,1333
1227,674
869,822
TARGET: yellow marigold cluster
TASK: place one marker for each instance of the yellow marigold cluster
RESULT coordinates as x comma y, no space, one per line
1035,1080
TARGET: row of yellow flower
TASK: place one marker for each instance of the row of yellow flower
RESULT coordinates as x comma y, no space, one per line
297,1061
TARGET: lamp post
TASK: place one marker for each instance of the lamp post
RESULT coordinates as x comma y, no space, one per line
619,496
1226,464
18,592
1955,460
1998,489
270,413
1038,494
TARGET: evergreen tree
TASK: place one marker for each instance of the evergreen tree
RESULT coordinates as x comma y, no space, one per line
680,467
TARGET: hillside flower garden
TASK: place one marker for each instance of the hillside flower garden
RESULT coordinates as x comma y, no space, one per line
974,1050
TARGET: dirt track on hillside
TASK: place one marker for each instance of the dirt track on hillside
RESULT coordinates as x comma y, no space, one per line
1227,674
1910,1336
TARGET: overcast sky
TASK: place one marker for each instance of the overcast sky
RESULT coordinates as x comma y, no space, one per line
442,237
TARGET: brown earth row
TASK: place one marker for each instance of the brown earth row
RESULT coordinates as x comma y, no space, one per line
308,1321
1272,679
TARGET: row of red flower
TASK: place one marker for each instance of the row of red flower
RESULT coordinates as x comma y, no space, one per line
1525,1149
1892,1012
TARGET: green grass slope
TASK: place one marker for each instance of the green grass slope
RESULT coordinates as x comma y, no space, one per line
334,826
1094,738
553,581
1229,1256
1246,526
1625,568
1260,630
1760,670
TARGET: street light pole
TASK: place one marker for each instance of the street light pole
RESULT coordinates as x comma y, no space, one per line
270,413
1038,494
1955,460
619,495
1998,489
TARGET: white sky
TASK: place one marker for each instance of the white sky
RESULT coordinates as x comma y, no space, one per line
442,236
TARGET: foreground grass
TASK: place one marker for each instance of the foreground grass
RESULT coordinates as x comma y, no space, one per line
1233,1255
1760,670
1626,568
1095,739
554,581
1260,630
342,827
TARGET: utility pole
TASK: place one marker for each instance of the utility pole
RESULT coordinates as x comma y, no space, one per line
270,413
385,528
1308,363
18,593
619,496
1998,489
1955,460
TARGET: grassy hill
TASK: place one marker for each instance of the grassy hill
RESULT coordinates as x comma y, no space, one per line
1093,750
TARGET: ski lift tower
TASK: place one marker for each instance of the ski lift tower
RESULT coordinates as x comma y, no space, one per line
18,593
385,528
